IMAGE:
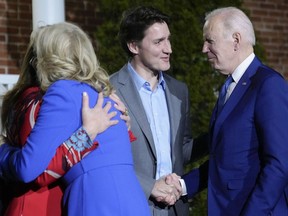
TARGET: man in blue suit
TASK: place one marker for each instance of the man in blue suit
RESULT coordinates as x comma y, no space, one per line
248,163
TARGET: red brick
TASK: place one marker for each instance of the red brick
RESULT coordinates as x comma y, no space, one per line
269,17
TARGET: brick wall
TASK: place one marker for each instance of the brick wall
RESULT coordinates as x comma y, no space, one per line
270,18
16,26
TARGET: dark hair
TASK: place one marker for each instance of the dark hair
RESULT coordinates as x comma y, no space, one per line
136,21
28,78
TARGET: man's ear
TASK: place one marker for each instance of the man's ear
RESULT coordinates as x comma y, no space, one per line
237,39
133,47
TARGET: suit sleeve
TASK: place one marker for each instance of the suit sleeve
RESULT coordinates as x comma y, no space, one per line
196,180
271,120
187,136
56,122
193,149
66,155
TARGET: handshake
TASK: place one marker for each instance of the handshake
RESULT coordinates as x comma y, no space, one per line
167,189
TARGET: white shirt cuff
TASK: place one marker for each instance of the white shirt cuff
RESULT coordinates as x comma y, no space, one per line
183,185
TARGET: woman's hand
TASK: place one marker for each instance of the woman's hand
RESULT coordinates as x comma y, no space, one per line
96,119
122,108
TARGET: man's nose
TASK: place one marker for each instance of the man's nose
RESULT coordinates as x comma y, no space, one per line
205,48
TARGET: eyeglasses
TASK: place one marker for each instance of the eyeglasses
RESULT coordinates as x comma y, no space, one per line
33,62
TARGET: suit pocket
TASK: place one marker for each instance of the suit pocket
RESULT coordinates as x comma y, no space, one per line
235,184
236,190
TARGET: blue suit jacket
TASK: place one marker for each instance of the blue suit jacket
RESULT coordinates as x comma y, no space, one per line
248,163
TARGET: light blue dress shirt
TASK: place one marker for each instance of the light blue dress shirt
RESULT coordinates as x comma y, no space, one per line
155,106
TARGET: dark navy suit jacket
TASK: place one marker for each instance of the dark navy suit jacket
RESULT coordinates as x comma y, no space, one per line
248,163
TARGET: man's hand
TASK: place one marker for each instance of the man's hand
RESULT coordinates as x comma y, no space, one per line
96,119
167,193
173,179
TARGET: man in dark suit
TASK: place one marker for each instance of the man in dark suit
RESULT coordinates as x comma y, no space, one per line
248,165
158,107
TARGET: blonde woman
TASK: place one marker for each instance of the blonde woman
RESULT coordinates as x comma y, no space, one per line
104,182
21,106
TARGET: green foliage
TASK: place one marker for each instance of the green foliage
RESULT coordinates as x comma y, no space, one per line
187,64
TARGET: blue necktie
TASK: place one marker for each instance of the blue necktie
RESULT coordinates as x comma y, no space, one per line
223,92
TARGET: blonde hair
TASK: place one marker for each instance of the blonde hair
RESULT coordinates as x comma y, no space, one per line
64,51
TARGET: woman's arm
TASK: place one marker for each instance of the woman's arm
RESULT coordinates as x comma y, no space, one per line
68,153
95,120
59,117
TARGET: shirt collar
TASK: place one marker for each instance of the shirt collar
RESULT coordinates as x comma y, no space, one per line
240,70
140,82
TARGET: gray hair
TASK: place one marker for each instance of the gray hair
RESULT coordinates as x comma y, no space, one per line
235,20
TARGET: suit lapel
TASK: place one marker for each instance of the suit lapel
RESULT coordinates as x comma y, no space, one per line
132,100
174,109
237,94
